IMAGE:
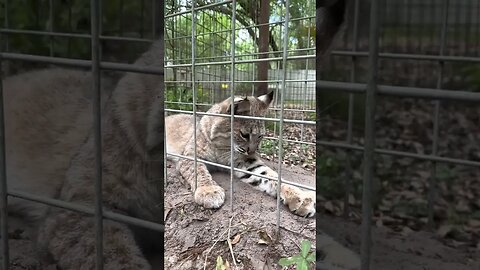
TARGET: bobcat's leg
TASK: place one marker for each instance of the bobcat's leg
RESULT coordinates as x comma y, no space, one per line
68,238
299,201
207,192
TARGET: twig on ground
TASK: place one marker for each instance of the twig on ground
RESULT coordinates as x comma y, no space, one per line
294,242
214,243
297,233
230,243
210,249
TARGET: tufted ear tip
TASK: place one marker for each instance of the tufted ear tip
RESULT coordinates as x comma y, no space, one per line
267,98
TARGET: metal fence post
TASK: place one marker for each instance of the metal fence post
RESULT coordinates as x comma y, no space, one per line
232,90
436,118
3,181
368,169
194,93
282,103
351,103
95,51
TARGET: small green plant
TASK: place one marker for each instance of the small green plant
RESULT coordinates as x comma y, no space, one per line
267,147
302,260
220,264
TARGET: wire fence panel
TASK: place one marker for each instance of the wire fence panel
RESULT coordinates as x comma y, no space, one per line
214,73
405,42
95,36
216,51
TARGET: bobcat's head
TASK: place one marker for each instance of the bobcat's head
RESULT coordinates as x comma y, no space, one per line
247,133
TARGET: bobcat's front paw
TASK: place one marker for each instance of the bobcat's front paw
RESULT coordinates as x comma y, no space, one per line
301,203
210,196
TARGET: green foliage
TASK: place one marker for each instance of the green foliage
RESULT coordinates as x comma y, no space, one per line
472,75
301,260
71,16
446,174
185,95
268,146
329,176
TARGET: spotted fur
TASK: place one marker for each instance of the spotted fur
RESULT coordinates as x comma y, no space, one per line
213,144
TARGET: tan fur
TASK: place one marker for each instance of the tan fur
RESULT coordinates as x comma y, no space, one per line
48,115
50,152
213,143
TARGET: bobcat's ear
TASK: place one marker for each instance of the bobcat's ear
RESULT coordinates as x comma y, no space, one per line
240,106
266,99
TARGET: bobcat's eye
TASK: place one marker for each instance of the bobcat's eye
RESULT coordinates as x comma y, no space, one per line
244,135
261,136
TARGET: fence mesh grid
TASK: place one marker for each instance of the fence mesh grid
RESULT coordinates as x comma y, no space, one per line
213,51
61,45
356,48
82,35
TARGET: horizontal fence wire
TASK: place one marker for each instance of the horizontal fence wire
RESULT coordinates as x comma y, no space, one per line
240,170
402,91
86,210
245,117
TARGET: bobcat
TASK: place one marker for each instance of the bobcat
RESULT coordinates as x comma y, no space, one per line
50,152
213,144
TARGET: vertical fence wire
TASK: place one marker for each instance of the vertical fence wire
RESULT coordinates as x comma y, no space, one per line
282,102
232,111
95,54
3,182
305,88
368,169
194,93
436,119
3,173
50,25
154,21
154,24
6,23
351,107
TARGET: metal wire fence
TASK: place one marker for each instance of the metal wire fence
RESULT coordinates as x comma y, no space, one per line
62,33
375,86
61,40
213,71
213,52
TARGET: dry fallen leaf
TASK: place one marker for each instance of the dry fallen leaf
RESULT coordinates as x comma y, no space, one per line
236,239
329,207
474,223
444,230
379,223
167,211
406,231
265,238
351,199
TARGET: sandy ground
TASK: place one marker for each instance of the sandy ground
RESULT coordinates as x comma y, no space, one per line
394,251
194,234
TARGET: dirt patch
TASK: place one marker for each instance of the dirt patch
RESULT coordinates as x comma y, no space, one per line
395,251
192,231
195,235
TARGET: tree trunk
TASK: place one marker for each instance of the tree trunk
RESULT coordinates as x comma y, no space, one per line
263,42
